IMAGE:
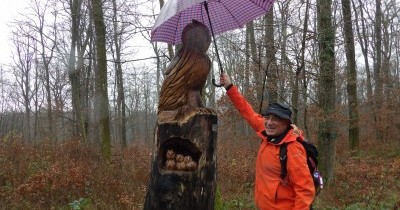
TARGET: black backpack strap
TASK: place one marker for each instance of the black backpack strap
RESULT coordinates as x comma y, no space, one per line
283,159
312,154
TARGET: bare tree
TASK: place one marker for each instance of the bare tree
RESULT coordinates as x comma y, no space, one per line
362,34
25,52
121,115
101,92
390,30
300,70
47,44
170,48
377,70
351,78
73,70
327,89
272,69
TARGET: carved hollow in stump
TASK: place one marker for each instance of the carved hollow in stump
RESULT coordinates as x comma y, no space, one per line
183,174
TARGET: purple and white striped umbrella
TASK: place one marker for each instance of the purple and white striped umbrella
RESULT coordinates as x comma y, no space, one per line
225,15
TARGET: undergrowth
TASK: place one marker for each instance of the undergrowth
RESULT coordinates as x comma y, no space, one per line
72,175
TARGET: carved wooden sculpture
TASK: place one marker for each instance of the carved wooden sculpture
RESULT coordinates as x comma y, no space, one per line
183,172
187,74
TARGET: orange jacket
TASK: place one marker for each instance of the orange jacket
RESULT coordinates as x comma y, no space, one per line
271,192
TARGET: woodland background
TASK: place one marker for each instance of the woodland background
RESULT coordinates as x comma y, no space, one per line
79,99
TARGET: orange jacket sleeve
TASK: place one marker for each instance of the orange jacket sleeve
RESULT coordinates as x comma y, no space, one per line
300,177
255,120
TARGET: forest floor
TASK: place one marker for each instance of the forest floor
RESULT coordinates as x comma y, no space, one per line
71,175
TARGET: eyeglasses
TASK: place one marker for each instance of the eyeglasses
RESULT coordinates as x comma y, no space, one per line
272,118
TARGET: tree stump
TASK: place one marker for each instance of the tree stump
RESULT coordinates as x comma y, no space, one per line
183,172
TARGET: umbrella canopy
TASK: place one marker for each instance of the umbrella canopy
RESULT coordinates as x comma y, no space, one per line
224,15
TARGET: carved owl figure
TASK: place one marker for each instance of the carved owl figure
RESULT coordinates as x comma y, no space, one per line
191,165
170,163
187,73
180,162
170,154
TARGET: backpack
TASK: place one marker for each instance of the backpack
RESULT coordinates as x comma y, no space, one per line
312,162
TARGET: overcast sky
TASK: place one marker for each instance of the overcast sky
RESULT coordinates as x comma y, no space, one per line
8,10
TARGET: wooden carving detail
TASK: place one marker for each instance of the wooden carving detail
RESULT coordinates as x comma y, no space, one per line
170,163
179,162
187,73
183,174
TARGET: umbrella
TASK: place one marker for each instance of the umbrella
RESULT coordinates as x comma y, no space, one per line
218,15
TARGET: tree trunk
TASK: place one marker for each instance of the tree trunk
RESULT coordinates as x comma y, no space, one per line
25,50
46,59
183,185
121,115
246,84
364,44
387,79
304,75
169,46
272,73
377,70
251,61
327,89
284,68
351,78
101,79
73,72
301,71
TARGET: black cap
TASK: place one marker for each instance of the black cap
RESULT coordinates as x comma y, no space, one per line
281,110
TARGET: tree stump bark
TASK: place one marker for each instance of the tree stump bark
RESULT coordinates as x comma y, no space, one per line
177,184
